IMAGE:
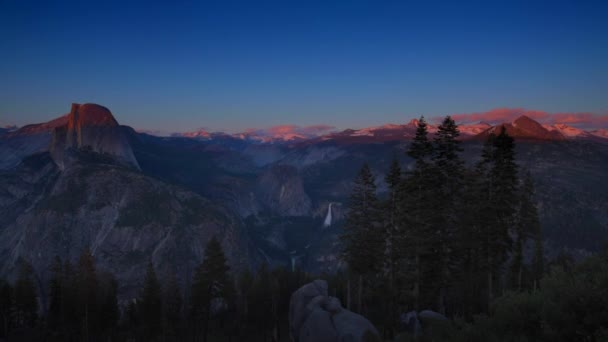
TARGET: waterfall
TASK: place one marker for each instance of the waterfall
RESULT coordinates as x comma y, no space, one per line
327,222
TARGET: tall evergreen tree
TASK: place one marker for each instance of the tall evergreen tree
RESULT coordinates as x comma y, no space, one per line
55,312
70,305
499,198
150,304
6,299
87,295
172,307
527,226
25,302
244,286
449,169
363,238
416,211
392,255
263,308
212,281
393,180
108,304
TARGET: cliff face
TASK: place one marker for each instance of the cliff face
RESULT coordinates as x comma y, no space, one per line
281,191
91,127
123,216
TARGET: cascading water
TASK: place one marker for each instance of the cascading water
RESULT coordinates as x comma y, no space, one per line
327,222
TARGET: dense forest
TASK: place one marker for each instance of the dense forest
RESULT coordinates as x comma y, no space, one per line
463,241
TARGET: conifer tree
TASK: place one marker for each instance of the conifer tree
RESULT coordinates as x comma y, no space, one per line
25,303
55,314
172,307
87,294
393,180
416,211
392,255
211,282
527,226
449,169
263,309
70,305
470,240
244,285
150,303
6,299
363,238
108,304
498,196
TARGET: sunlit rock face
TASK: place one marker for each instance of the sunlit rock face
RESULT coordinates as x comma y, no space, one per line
91,127
524,128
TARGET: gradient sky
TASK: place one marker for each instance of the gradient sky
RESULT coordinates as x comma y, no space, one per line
229,65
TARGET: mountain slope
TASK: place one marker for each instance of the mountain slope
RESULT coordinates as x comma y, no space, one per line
123,216
523,128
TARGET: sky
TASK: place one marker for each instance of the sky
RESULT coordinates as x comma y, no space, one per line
231,66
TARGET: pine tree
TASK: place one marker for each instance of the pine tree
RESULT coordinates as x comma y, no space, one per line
470,240
150,304
416,211
393,179
449,169
87,294
244,285
263,308
363,238
527,226
6,299
211,282
25,303
172,307
55,312
498,195
108,304
70,301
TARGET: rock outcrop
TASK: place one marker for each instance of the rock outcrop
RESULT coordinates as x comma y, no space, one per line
316,317
91,128
281,191
422,322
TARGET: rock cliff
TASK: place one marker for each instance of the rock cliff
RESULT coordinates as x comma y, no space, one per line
92,128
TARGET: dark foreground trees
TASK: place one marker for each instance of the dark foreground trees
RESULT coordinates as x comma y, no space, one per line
453,237
83,303
571,304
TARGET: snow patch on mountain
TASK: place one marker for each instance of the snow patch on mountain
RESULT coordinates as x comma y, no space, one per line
567,131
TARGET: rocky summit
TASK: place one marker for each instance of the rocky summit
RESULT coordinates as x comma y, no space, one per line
93,128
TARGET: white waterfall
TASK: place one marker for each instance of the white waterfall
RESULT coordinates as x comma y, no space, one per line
327,222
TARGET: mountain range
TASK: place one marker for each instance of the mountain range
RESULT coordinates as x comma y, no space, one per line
522,127
83,180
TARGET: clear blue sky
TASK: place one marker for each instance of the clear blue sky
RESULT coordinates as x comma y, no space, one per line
231,65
